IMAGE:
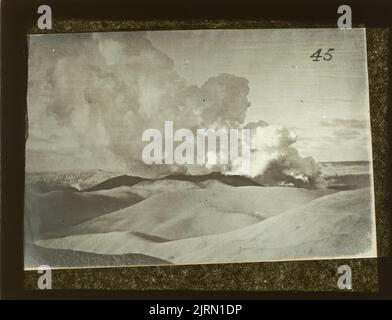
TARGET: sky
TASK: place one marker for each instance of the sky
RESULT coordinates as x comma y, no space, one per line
325,102
91,96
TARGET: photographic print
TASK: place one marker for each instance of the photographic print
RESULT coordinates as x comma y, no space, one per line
198,146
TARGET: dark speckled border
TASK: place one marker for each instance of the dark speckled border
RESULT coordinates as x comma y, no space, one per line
315,275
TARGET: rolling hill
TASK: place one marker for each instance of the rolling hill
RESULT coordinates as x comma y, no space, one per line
192,213
47,212
330,226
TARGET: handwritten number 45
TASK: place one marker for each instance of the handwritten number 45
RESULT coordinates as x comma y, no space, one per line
318,55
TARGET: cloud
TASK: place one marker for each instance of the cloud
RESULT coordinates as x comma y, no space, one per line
347,134
93,95
347,123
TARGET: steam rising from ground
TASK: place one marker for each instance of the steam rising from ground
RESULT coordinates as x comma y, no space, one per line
91,96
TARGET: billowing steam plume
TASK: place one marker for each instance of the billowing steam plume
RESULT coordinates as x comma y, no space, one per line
92,96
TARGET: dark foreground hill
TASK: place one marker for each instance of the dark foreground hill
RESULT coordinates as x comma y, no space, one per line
124,180
58,209
115,182
232,180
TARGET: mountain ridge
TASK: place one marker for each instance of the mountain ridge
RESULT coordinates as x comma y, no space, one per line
128,180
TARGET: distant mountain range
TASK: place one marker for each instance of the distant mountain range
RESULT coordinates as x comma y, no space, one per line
347,163
94,180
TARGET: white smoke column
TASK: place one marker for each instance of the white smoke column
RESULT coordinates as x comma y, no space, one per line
96,94
268,143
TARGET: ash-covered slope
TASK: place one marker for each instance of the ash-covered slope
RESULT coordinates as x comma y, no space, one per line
36,256
50,211
335,225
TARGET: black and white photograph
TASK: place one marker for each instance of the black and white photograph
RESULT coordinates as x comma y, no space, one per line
185,147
